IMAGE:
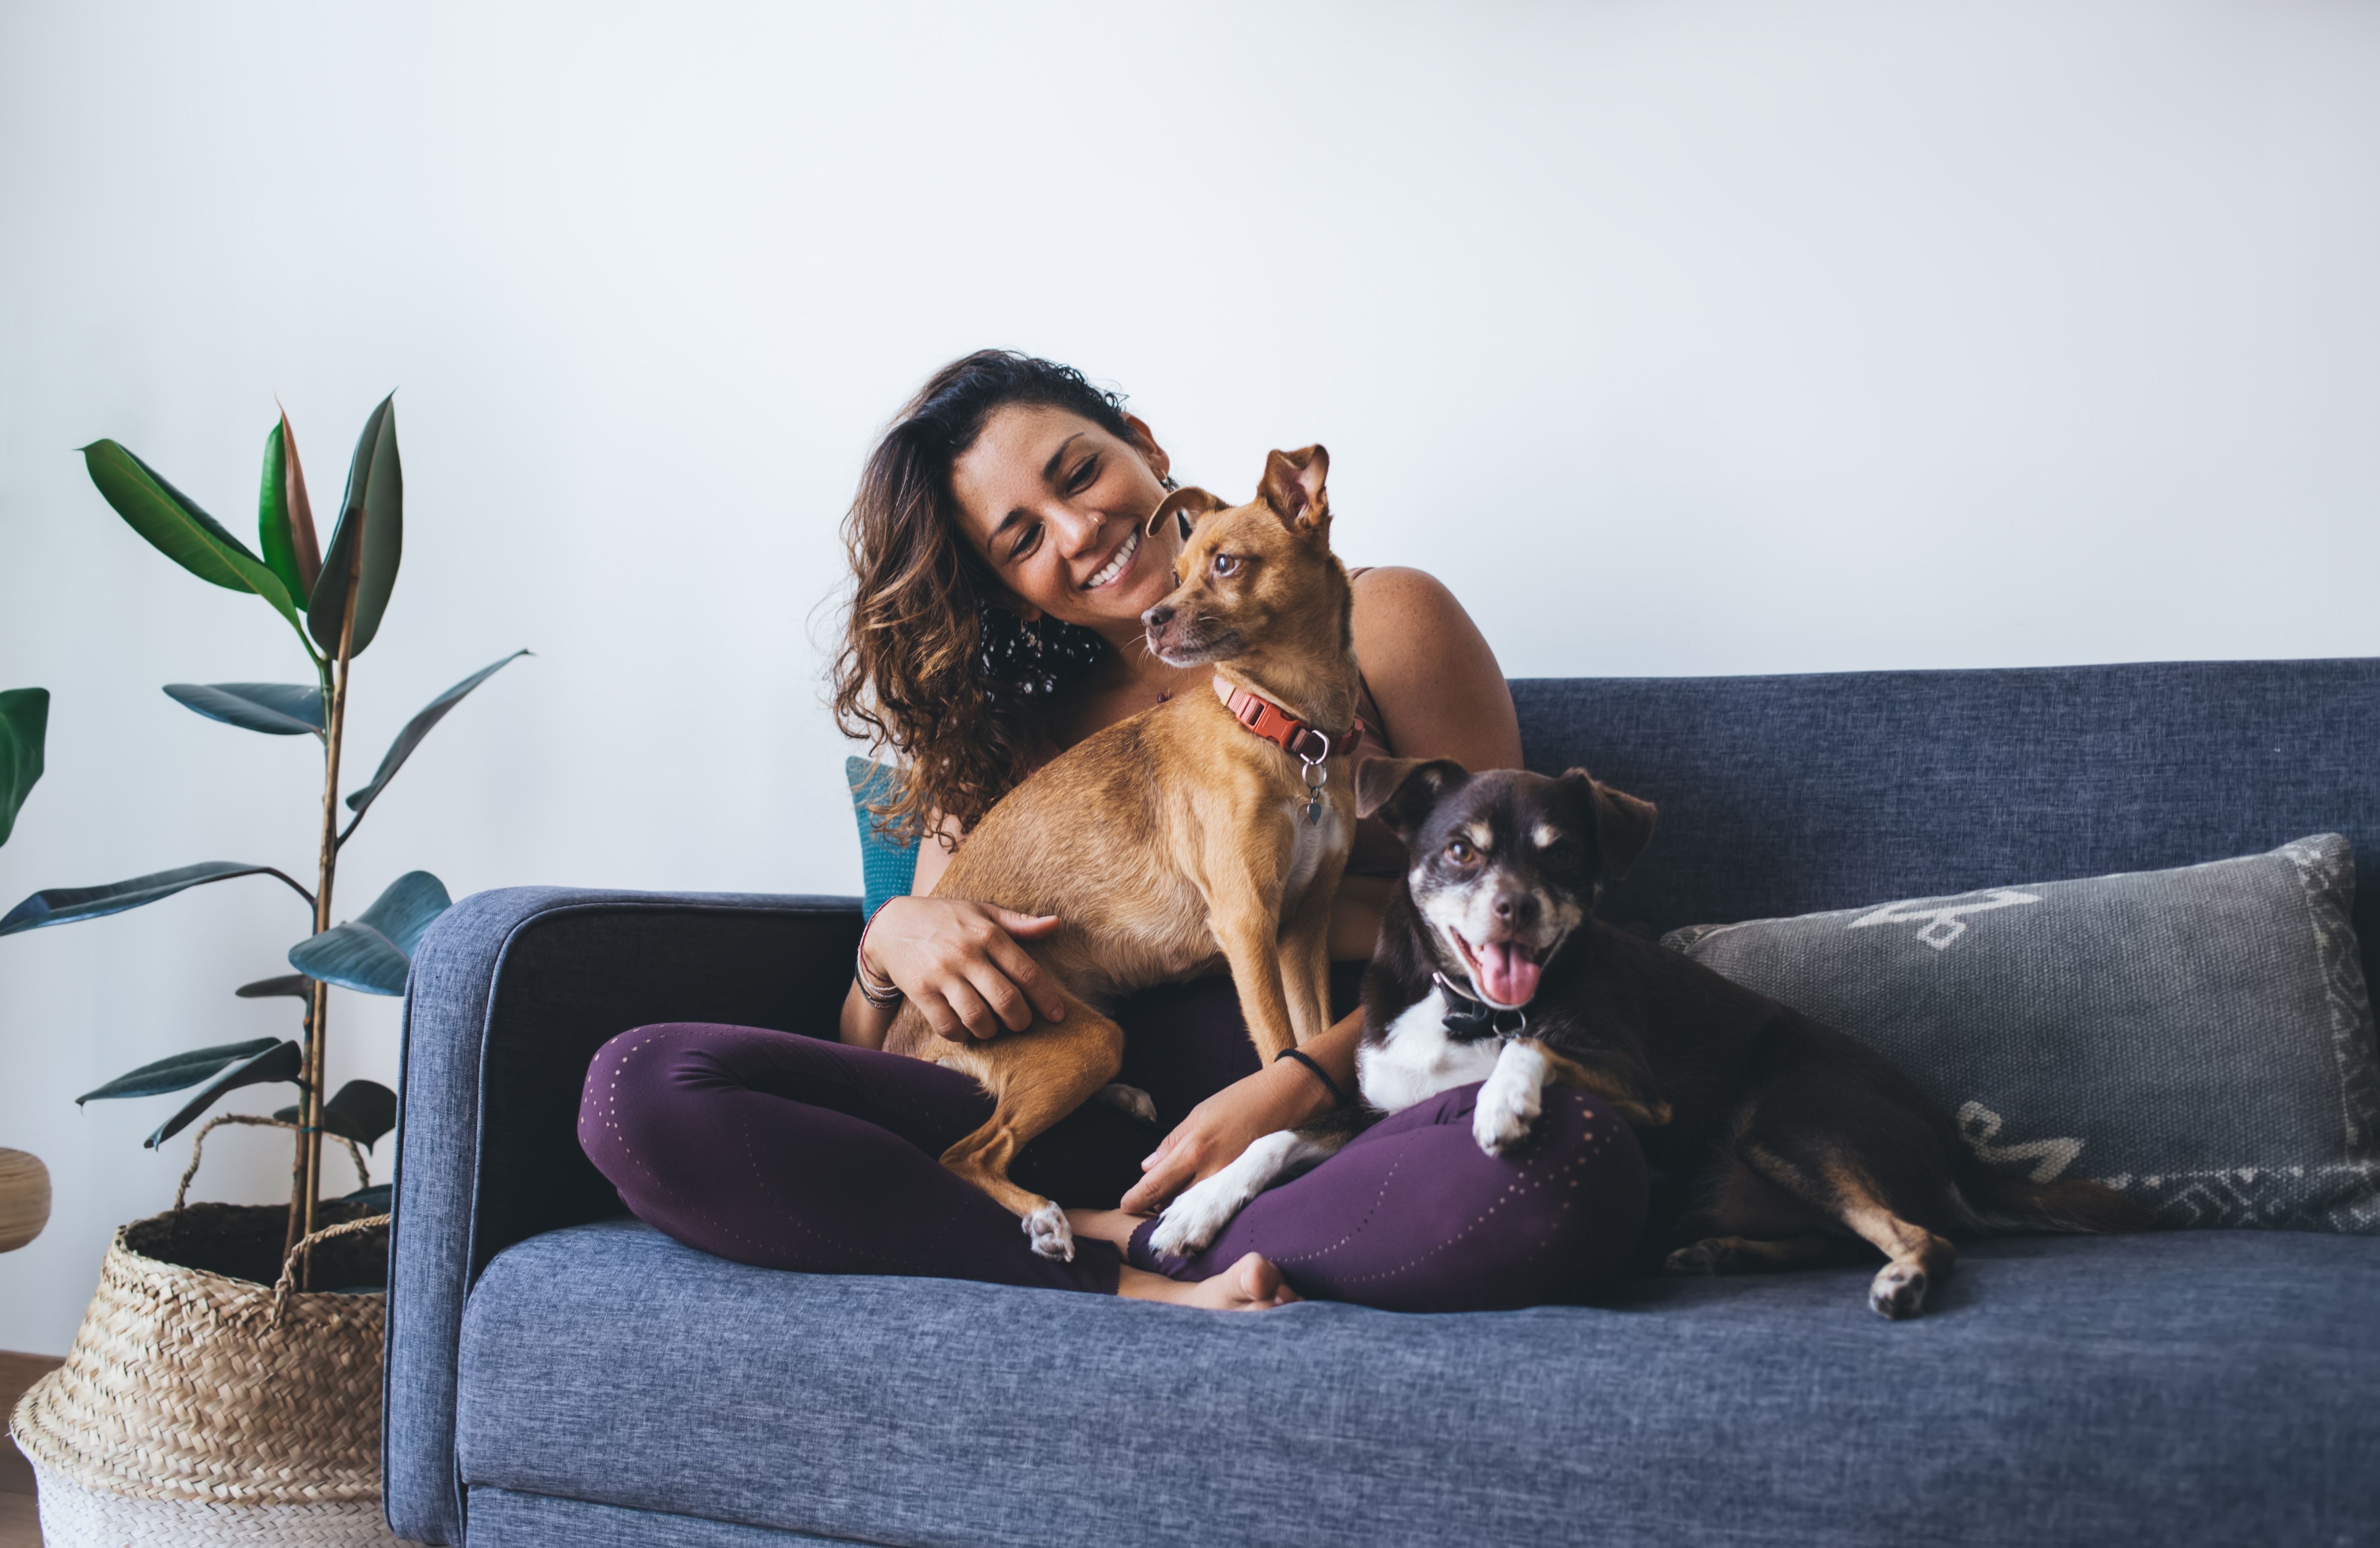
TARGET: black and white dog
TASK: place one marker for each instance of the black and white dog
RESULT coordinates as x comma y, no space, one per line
1793,1144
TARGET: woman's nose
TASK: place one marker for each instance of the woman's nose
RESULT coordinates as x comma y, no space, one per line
1076,531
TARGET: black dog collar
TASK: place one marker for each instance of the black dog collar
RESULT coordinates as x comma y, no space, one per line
1469,1016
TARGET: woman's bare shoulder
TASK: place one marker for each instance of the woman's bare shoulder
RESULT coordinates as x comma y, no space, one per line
1431,672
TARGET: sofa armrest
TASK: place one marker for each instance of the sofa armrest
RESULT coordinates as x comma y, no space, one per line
511,993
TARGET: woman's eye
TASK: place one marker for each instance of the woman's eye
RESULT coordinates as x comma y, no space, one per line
1225,564
1460,851
1083,477
1024,545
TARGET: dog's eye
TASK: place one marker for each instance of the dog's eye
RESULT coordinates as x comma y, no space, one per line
1224,565
1460,851
1559,857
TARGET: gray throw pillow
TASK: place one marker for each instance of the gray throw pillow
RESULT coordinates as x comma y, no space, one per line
2200,1038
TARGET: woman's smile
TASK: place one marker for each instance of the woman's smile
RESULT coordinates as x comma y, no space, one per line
1117,566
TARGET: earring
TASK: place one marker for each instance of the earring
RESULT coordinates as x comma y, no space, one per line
1165,481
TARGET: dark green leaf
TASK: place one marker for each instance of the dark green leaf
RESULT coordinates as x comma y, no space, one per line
285,517
176,1070
24,724
274,709
282,1062
63,905
419,727
362,1111
289,986
372,515
375,1198
373,952
178,529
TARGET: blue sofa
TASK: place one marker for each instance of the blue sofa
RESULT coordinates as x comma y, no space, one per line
560,1373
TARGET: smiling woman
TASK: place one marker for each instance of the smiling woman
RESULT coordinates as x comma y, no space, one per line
1004,558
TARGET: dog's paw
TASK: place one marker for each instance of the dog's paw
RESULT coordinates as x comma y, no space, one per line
1701,1257
1506,1111
1195,1219
1131,1101
1052,1234
1899,1291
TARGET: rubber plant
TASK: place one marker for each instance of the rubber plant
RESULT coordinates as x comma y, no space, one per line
332,599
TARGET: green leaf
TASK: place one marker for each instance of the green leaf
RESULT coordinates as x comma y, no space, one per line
282,1062
372,518
285,517
178,529
289,986
63,905
274,709
419,727
373,952
362,1111
176,1070
24,724
375,1198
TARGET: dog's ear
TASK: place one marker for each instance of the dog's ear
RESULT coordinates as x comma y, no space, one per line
1623,825
1292,486
1400,791
1184,507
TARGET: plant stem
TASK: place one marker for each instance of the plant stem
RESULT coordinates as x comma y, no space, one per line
310,1134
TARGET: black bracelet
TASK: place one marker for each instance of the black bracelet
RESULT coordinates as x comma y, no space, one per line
1338,1098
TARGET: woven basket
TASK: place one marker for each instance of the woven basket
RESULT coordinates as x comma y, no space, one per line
200,1405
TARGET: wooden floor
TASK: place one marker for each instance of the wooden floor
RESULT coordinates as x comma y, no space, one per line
19,1525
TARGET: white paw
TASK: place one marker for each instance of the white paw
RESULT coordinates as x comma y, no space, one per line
1052,1235
1899,1291
1508,1108
1129,1100
1198,1217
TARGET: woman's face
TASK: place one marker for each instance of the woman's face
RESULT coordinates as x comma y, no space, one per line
1055,505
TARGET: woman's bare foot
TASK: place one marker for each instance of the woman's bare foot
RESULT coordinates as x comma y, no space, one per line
1250,1285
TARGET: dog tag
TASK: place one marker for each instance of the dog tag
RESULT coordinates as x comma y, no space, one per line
1314,806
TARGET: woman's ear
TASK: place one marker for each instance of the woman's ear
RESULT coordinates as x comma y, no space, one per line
1145,440
1184,507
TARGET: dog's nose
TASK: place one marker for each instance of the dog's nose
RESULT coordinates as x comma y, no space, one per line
1516,910
1157,617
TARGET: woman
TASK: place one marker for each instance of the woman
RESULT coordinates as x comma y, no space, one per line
996,621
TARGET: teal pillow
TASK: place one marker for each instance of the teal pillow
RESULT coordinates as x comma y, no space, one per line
886,869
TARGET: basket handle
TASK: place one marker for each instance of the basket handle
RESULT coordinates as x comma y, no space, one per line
310,1240
198,1142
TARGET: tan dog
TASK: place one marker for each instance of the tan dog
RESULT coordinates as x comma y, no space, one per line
1189,831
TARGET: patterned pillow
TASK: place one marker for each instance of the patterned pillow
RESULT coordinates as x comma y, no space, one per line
2200,1038
886,869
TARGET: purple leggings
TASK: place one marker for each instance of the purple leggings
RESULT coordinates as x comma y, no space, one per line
792,1151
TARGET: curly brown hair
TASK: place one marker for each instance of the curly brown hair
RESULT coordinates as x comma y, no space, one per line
930,667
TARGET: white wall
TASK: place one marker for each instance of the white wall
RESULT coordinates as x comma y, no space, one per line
1681,338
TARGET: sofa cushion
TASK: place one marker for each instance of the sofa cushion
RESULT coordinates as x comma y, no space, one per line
2199,1038
2175,1387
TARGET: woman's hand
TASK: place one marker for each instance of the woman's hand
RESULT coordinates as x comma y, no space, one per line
1280,1096
959,963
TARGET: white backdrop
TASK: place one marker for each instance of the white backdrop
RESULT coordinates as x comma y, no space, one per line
1682,338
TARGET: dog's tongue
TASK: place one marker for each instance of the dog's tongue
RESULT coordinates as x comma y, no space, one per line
1507,976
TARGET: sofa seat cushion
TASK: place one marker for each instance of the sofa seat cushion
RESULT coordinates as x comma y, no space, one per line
2198,1387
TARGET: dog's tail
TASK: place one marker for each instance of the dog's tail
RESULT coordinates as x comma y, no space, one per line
1995,1202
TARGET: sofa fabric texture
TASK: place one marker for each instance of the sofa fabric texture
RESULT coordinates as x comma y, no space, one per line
2041,1399
2199,1038
2151,1390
